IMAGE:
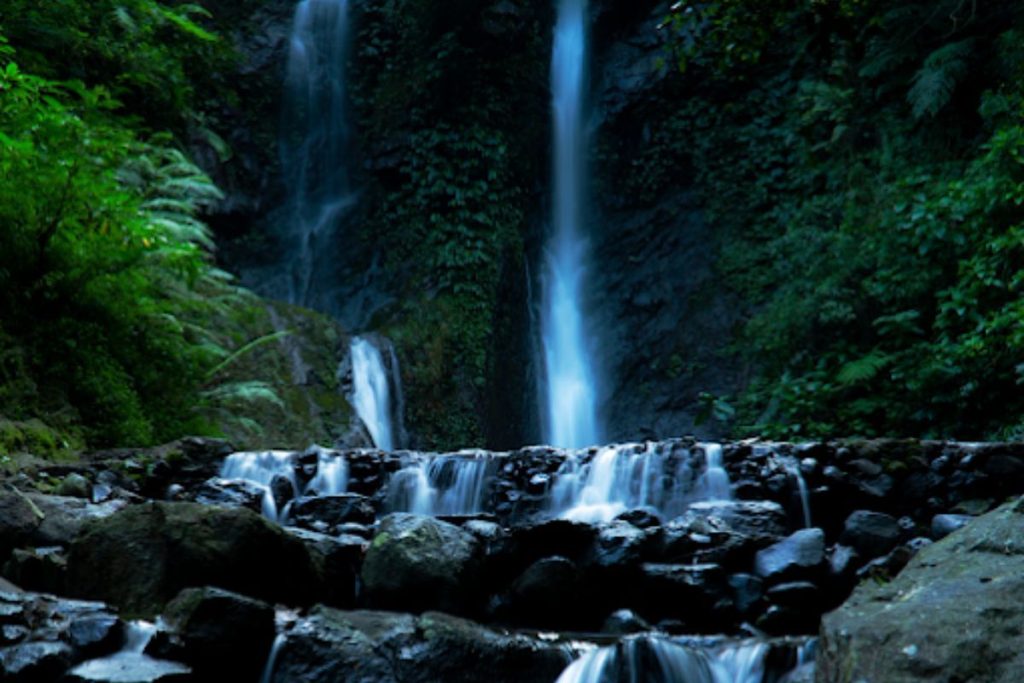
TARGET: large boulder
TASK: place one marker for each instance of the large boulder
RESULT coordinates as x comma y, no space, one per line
416,563
797,557
140,558
871,533
953,614
225,635
381,647
328,513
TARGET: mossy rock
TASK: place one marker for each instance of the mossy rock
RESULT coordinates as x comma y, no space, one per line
140,558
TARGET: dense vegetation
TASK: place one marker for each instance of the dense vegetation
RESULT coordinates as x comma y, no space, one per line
863,162
106,278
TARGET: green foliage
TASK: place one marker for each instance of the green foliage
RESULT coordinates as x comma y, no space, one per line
104,268
868,190
449,216
152,55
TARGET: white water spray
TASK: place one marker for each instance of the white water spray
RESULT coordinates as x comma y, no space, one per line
571,388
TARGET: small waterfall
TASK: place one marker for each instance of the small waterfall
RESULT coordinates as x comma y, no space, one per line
657,476
275,650
570,386
792,467
441,485
315,147
659,660
371,392
714,483
137,635
263,467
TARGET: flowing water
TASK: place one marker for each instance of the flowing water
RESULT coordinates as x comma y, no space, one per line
570,387
315,147
371,392
652,659
659,476
263,467
441,485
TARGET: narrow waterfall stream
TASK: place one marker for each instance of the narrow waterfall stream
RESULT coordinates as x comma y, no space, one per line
371,393
570,400
314,149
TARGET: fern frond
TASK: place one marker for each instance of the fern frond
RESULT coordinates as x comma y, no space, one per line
939,77
863,369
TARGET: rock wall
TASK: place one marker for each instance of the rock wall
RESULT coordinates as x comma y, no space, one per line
443,254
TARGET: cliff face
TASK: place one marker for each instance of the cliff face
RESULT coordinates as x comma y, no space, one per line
451,114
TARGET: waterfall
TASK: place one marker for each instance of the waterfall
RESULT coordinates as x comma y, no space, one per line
314,149
570,418
371,392
714,483
262,468
658,660
441,485
657,476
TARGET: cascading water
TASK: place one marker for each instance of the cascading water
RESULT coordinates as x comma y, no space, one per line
658,660
657,476
371,392
441,485
570,415
262,468
314,149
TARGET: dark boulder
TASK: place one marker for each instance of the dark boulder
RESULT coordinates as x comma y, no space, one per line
35,661
226,635
546,595
142,557
800,556
232,493
336,563
871,533
418,563
327,513
380,647
624,622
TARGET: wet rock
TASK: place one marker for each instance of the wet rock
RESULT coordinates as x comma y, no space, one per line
336,562
695,593
786,620
641,518
226,635
761,521
747,592
797,557
946,617
546,595
619,544
96,635
64,517
870,533
232,493
944,525
624,622
418,563
76,486
282,490
886,567
19,518
35,661
38,569
333,511
331,645
177,545
800,595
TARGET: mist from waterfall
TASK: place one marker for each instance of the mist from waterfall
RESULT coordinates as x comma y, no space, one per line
371,392
570,387
315,148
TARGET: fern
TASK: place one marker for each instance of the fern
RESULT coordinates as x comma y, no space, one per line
936,81
863,369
